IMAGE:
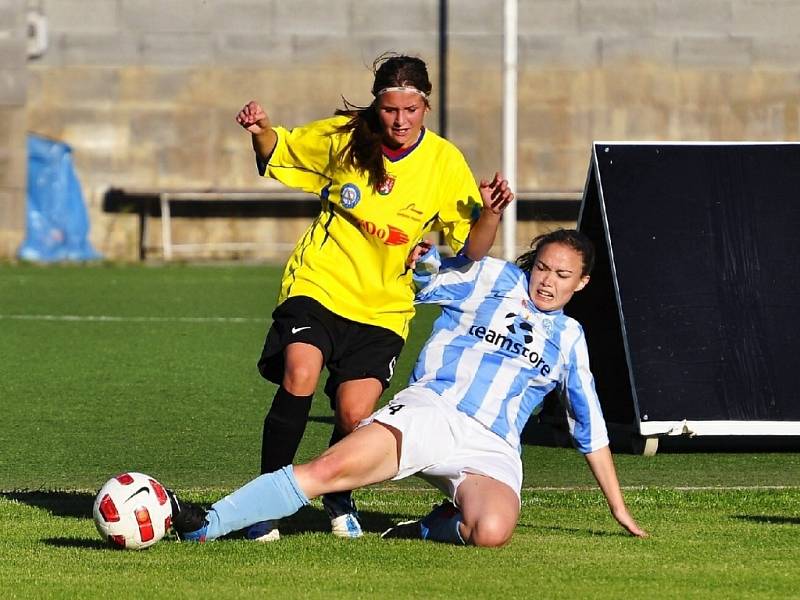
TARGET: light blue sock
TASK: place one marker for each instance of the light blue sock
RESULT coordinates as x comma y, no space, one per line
270,496
442,525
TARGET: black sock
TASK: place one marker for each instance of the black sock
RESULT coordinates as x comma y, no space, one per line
336,436
338,503
284,426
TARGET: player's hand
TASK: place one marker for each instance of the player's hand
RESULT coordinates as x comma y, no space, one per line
420,250
627,522
496,194
253,118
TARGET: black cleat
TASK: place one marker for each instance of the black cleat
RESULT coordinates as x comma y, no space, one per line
406,530
188,520
419,530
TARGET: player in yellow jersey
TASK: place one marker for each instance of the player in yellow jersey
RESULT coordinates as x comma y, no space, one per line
346,297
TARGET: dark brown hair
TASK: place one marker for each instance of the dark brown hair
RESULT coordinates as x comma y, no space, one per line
569,237
363,150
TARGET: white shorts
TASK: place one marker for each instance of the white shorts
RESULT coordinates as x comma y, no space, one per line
442,445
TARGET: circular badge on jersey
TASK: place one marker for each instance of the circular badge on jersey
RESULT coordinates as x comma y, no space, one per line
350,195
548,326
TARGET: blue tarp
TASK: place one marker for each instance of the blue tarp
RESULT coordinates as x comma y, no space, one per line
57,220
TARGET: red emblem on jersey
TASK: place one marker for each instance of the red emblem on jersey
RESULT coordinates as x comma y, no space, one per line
396,236
386,186
390,235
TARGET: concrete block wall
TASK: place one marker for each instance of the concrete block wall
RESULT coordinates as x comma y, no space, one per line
13,153
145,90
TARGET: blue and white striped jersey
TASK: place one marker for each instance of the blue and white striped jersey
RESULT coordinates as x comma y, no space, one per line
495,356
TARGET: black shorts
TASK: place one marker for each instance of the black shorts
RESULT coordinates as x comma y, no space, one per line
350,350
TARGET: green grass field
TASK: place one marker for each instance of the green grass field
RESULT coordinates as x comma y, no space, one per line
111,368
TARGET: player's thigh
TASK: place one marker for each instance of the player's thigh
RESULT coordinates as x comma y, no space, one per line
490,509
297,345
368,455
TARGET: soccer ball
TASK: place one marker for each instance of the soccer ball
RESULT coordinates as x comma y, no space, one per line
132,511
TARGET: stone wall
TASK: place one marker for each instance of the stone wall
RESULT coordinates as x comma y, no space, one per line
146,90
13,153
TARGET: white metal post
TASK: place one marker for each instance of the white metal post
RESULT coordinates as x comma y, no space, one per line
510,125
166,226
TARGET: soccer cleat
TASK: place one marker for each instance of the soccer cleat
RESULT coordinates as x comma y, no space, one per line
421,529
263,531
445,510
346,526
188,520
343,515
406,530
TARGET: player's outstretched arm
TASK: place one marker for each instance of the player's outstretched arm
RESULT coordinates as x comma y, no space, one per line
255,120
496,197
602,465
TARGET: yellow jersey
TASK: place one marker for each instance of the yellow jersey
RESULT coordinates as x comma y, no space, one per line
352,258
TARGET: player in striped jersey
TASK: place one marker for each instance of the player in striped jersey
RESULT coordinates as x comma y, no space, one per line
500,344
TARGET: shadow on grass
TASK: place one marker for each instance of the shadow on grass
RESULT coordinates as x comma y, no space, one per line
310,519
769,519
59,504
79,505
574,530
64,542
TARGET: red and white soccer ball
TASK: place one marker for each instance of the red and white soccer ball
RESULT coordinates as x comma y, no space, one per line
132,511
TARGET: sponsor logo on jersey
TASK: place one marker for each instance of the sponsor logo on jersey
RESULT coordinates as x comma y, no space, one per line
511,343
385,188
523,325
350,195
389,235
410,212
527,315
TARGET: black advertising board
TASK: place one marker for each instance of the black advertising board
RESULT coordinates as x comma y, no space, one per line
693,310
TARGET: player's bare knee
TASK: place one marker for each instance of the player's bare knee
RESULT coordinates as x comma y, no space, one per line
490,531
490,539
348,418
300,380
350,414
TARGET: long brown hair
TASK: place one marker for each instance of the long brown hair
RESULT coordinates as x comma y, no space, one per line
363,150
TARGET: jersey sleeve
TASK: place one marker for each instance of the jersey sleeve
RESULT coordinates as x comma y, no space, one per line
461,205
443,281
584,415
302,156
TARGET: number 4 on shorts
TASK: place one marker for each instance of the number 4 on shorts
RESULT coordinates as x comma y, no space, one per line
393,408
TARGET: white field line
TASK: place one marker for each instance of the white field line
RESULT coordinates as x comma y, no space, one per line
116,319
376,502
631,488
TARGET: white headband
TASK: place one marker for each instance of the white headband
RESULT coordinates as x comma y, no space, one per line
402,88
